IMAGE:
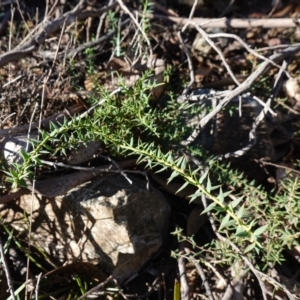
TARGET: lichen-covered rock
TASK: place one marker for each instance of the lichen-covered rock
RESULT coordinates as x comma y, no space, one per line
106,221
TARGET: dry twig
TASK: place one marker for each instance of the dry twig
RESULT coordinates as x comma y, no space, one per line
238,90
232,23
124,7
192,73
96,288
7,273
184,287
203,278
48,28
259,118
212,44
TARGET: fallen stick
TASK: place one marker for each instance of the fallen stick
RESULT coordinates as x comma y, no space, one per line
233,23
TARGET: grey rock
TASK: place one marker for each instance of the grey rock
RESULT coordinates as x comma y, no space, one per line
107,222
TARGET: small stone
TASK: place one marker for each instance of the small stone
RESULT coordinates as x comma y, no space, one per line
12,147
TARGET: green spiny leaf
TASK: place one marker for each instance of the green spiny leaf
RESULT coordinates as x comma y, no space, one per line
260,230
196,195
240,213
182,187
236,202
249,248
209,208
203,177
173,175
208,184
224,222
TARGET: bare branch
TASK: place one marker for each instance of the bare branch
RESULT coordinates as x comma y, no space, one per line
203,278
48,28
6,269
233,23
184,287
241,88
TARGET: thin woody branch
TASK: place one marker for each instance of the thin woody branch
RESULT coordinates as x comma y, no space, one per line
233,23
33,44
